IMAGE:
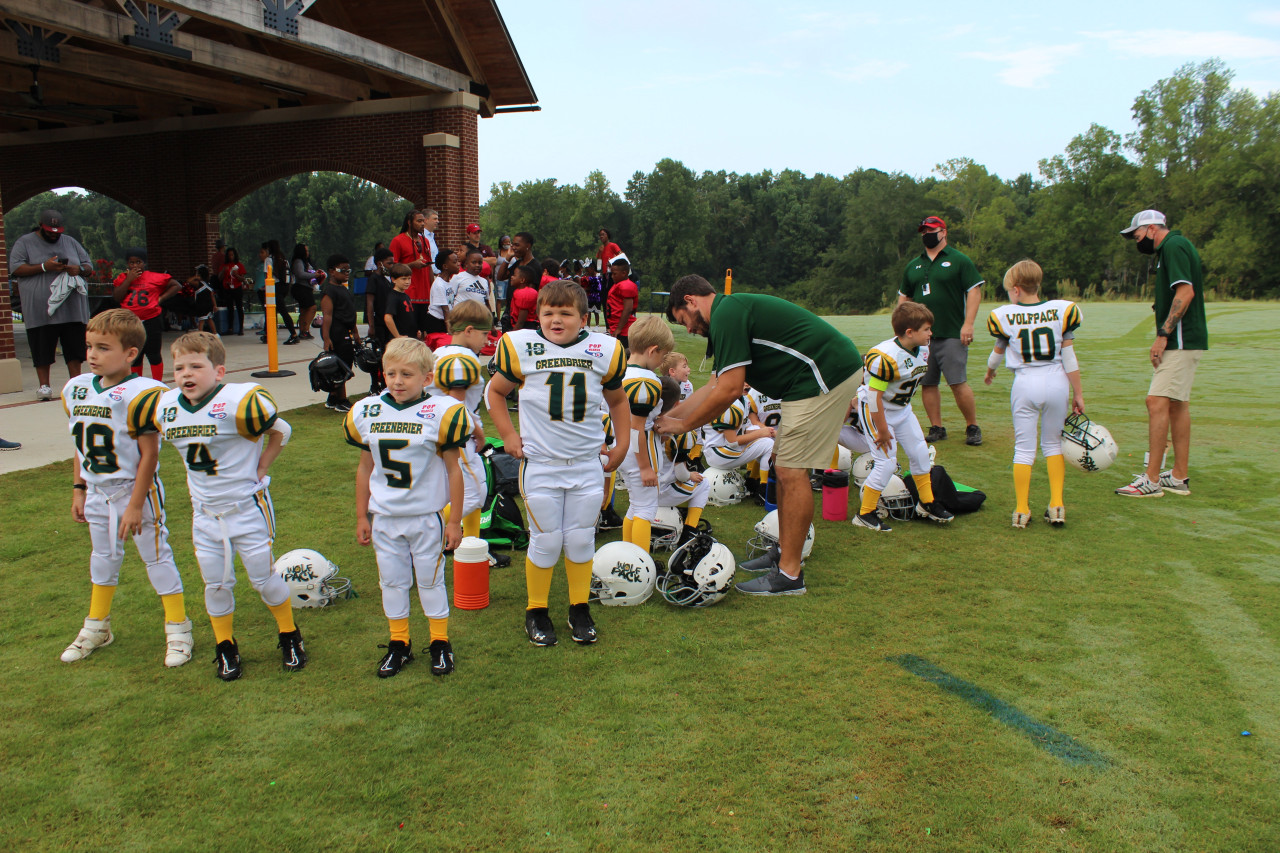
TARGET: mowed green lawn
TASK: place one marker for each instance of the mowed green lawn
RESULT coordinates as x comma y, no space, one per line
1146,631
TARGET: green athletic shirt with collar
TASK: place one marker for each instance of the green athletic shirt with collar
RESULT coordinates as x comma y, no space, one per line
1177,261
941,285
789,353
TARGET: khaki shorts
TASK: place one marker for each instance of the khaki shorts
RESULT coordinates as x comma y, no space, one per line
1174,374
810,428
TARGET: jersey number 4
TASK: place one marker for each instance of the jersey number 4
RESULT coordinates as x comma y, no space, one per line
577,386
199,459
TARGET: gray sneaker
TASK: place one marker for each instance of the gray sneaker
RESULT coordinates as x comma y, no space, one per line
973,435
1170,483
1141,487
774,583
764,563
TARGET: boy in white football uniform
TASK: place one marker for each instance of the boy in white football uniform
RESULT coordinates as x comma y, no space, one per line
651,340
677,484
1035,338
116,486
563,372
407,472
892,372
219,429
729,443
458,374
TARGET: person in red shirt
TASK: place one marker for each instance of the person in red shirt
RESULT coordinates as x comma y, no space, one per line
524,298
608,251
142,291
414,248
233,286
624,296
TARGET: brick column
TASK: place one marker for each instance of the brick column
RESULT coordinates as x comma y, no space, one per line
452,167
10,369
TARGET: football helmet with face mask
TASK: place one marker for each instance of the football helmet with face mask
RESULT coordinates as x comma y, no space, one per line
699,573
313,580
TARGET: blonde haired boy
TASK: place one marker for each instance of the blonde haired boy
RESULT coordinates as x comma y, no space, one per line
651,339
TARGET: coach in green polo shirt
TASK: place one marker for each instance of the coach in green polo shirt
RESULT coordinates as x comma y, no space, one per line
1182,336
787,353
945,281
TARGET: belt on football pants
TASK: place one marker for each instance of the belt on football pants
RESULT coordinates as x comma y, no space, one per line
219,512
113,520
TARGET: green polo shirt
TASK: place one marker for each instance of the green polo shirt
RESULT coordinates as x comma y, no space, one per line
1178,262
789,353
941,285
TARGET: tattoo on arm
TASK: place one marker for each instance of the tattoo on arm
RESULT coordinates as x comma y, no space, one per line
1176,310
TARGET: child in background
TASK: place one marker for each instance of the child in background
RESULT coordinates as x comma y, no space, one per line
116,486
651,340
524,298
728,443
219,428
339,327
408,471
677,484
1043,360
624,297
398,316
676,365
141,291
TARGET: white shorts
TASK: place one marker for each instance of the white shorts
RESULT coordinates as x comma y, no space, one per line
563,500
736,456
247,528
409,548
475,483
1039,396
905,430
103,506
685,493
853,440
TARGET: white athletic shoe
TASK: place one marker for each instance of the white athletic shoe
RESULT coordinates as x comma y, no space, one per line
1020,519
44,393
1170,483
1056,515
179,643
95,633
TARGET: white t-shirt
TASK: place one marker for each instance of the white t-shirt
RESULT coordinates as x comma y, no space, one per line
443,295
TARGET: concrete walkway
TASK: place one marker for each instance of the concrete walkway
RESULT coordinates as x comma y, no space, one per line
42,426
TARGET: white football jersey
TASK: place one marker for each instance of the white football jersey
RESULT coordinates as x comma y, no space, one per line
767,409
644,394
1033,334
561,389
459,367
106,423
406,440
734,418
220,438
901,370
686,388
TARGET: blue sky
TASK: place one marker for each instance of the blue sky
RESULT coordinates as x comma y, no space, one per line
832,87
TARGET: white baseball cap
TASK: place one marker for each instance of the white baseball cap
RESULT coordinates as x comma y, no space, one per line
1144,217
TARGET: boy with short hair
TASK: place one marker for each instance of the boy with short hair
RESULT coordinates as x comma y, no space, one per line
563,372
678,485
444,293
116,486
219,430
893,371
728,443
339,327
524,298
408,471
676,365
651,340
622,301
399,317
1043,360
458,374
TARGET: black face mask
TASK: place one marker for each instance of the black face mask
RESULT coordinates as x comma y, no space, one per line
931,239
1147,246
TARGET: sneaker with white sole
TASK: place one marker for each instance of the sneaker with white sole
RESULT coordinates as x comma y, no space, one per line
871,521
774,583
1056,515
1141,487
95,634
44,393
227,657
1020,519
1170,483
178,642
441,657
934,511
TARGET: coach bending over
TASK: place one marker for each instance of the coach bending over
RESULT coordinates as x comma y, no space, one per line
786,353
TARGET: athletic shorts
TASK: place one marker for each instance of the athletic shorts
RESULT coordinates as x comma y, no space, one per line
947,357
1174,374
500,290
810,427
44,341
303,295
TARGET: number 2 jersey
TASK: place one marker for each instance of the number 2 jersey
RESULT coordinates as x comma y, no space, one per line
895,371
106,423
405,441
1033,334
561,390
220,439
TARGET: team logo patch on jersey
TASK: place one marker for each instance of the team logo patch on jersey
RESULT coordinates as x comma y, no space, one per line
219,411
946,263
426,413
117,393
595,350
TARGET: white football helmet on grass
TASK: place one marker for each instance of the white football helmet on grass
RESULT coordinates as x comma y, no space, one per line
313,580
767,536
896,501
699,574
664,532
727,487
622,575
1088,445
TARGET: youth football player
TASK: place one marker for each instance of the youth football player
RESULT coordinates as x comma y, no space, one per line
651,340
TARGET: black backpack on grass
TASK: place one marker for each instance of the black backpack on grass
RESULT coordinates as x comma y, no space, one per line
956,498
501,522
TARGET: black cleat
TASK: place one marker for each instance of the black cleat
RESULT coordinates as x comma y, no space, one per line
973,435
537,624
871,521
934,511
499,561
609,520
292,651
936,433
582,625
441,657
398,654
227,657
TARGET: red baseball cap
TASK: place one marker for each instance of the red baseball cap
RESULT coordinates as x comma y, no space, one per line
51,221
473,229
931,222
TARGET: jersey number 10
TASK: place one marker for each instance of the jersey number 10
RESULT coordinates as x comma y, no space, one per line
1037,344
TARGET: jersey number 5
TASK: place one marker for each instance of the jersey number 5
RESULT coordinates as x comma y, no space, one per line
399,474
578,386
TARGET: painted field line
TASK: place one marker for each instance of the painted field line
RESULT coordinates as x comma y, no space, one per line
1048,738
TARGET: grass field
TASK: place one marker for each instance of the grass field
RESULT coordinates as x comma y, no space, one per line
1147,632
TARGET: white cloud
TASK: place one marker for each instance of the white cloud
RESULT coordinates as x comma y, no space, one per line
1189,43
1026,68
871,69
1261,88
1266,17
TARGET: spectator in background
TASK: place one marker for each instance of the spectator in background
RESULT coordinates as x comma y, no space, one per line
624,296
303,290
36,260
371,264
217,258
415,247
524,299
470,284
501,285
607,252
233,284
550,272
443,294
376,290
339,327
141,291
270,254
473,242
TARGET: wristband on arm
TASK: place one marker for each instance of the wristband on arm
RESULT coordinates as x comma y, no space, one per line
1069,362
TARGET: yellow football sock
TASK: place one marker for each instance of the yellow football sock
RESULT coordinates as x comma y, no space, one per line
1022,487
175,609
471,523
924,487
626,528
694,516
222,627
1057,473
284,617
439,628
753,470
870,497
835,459
608,487
579,577
640,532
538,582
100,601
399,629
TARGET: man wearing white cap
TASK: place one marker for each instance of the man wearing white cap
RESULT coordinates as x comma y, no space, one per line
1182,336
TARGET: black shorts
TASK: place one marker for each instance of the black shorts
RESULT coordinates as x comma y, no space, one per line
303,295
44,341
